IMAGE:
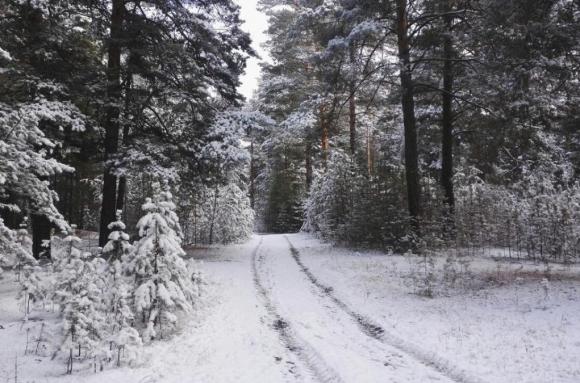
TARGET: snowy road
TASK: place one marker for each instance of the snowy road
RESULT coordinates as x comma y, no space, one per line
330,340
270,323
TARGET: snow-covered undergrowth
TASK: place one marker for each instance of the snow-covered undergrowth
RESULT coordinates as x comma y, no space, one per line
501,321
27,346
93,313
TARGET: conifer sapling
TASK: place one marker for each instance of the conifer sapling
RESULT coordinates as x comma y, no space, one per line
163,283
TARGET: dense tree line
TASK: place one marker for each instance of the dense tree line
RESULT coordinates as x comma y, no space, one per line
410,123
119,119
101,100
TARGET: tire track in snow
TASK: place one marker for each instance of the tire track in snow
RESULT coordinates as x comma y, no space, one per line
374,330
303,351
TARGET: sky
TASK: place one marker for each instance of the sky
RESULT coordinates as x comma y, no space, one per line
256,24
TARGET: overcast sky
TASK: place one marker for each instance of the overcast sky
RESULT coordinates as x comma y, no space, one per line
256,24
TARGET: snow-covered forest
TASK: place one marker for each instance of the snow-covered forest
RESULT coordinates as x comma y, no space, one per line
398,201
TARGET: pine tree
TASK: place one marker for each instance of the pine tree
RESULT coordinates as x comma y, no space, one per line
163,285
166,101
123,338
32,288
14,248
48,66
24,255
118,247
7,245
79,295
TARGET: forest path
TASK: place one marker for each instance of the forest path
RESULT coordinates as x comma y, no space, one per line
230,338
377,331
332,342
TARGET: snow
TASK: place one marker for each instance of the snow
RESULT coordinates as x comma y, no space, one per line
229,338
318,313
499,325
226,339
5,55
336,341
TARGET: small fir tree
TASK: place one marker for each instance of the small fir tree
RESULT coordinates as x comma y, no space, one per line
123,338
118,246
78,291
14,251
163,285
23,256
32,288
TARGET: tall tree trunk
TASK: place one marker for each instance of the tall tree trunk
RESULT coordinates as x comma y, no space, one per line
447,114
308,156
122,188
323,136
195,220
213,214
71,185
352,106
40,232
369,152
108,205
324,143
121,193
408,106
252,174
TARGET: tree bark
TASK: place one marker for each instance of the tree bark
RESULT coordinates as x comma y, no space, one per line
352,106
121,192
370,165
108,207
447,113
308,156
122,188
40,232
252,174
323,136
213,214
408,106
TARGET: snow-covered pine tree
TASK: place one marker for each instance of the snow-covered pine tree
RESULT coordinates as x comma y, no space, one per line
123,338
24,255
6,243
79,296
27,271
13,250
163,284
118,246
32,288
236,219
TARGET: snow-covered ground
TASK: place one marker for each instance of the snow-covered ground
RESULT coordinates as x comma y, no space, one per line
499,321
292,309
230,338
